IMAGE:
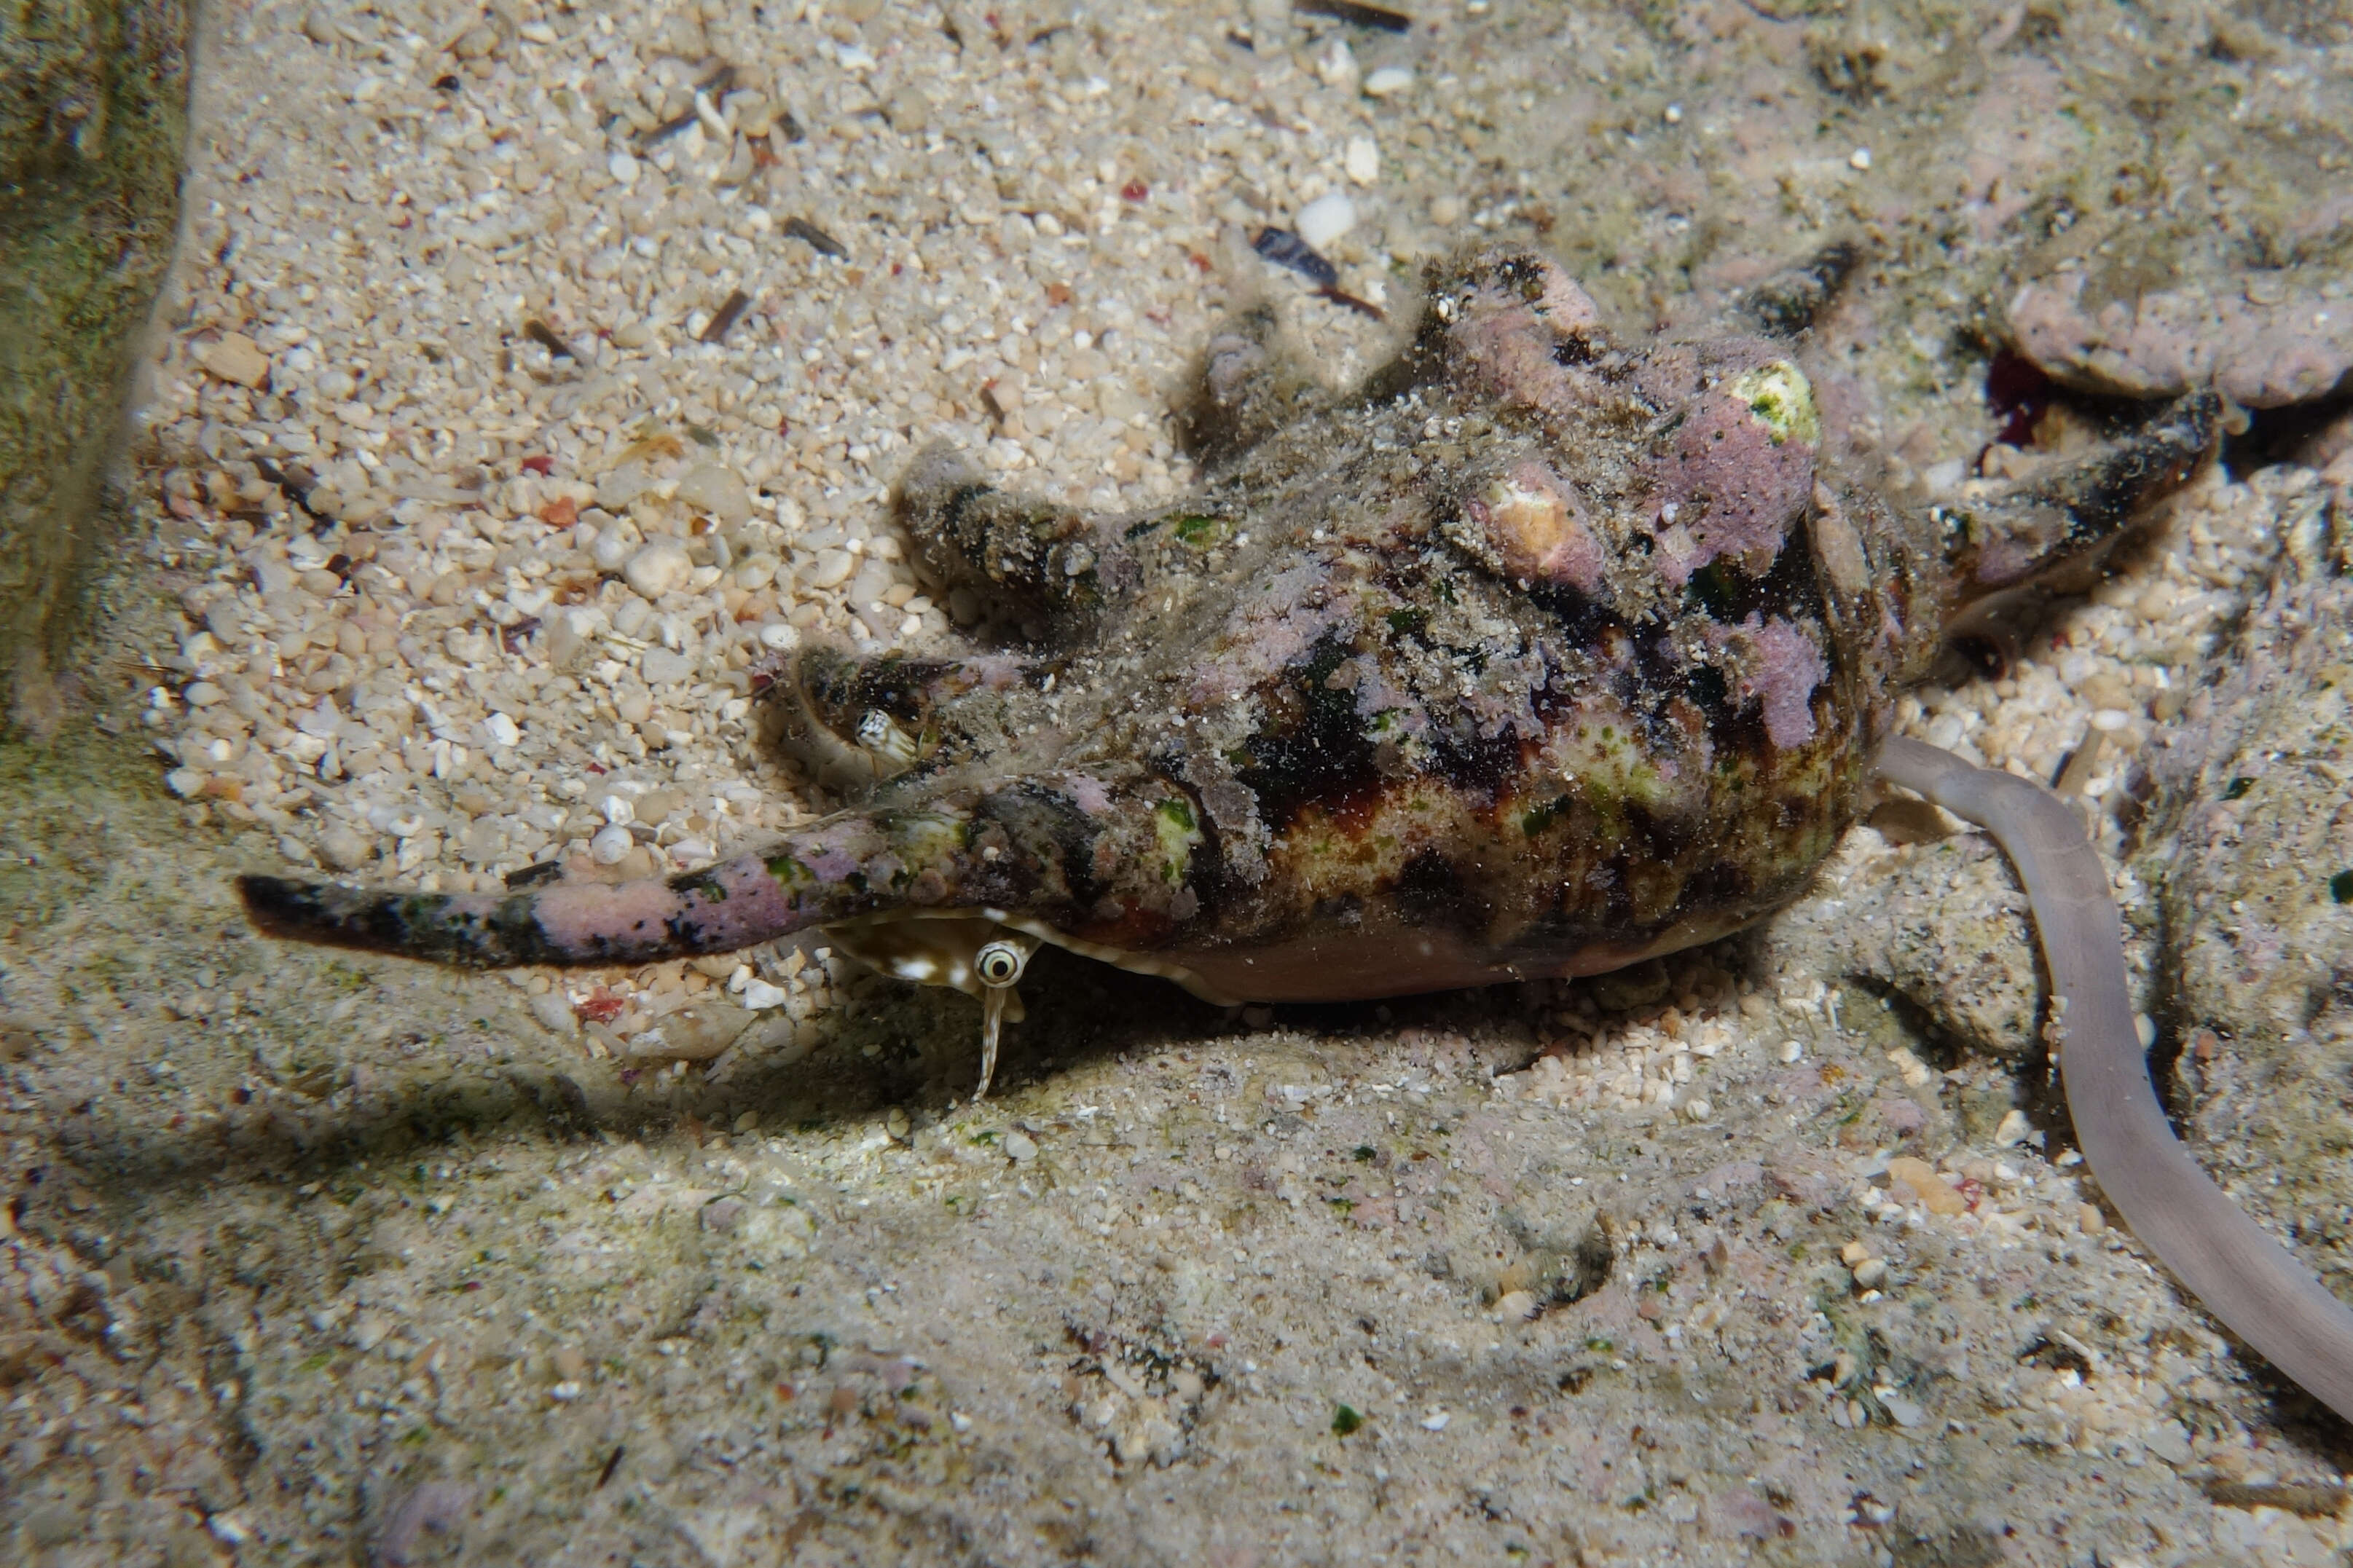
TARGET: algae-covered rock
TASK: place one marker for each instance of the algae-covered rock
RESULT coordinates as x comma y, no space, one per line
2258,901
2185,249
93,99
1943,927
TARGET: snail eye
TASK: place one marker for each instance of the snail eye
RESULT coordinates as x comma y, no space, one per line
998,964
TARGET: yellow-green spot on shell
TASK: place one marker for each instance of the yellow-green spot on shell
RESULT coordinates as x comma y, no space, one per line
923,838
1612,769
1202,531
1781,397
1538,818
1178,832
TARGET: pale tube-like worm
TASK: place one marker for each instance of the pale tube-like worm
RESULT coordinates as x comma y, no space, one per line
2255,1285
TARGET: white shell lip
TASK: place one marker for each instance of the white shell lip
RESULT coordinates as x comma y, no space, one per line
1309,969
1118,957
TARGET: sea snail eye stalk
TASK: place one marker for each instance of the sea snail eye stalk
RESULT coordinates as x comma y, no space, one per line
999,963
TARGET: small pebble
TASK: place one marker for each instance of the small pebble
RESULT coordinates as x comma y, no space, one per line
2105,691
1019,1147
1943,478
572,636
1388,81
611,551
708,488
611,844
699,1033
2013,1130
1514,1307
236,357
344,850
1363,160
2169,1442
1435,1421
1860,159
1336,67
759,996
1935,1195
1871,1273
1326,219
657,569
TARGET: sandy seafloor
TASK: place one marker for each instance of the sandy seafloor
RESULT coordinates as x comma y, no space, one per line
311,1258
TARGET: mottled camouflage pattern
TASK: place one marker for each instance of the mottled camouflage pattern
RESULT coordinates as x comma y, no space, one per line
1534,655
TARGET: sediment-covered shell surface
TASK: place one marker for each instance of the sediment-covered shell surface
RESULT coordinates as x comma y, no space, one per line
1534,655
